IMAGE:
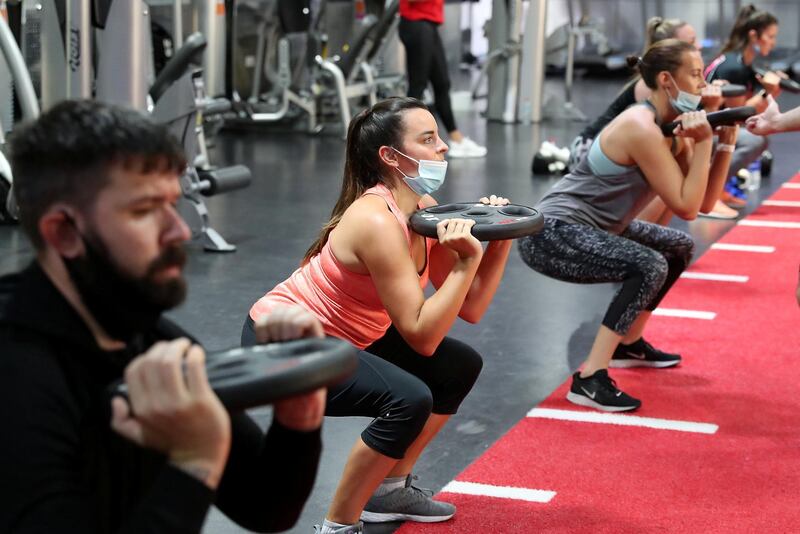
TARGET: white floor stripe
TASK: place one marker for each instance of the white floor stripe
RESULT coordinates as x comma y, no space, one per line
791,186
503,492
743,248
687,314
769,224
716,277
782,203
624,420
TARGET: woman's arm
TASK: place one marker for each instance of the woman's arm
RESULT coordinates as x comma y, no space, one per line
720,167
488,277
380,245
644,143
486,281
758,101
771,82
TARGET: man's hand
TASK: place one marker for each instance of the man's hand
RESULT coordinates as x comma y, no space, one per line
172,409
765,123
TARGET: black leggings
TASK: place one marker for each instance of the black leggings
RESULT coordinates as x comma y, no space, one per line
399,388
425,60
647,258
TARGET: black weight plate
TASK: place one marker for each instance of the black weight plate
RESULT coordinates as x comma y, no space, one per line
718,118
491,222
255,376
732,89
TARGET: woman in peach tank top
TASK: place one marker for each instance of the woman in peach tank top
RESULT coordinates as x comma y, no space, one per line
363,279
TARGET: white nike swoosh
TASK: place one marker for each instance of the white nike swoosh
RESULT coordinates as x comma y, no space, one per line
590,395
637,355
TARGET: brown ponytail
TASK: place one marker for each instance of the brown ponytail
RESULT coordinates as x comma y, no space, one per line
659,29
380,125
749,18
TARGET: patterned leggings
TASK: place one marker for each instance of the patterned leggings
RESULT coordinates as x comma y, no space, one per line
647,258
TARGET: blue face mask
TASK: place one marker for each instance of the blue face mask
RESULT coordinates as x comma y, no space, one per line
431,175
685,102
757,49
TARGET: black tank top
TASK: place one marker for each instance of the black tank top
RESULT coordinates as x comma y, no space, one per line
624,100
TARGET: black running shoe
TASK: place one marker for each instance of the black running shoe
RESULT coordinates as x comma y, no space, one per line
600,392
642,354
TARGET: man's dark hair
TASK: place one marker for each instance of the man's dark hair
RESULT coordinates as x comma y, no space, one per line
67,154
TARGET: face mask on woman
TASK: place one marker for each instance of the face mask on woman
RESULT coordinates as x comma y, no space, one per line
430,175
684,102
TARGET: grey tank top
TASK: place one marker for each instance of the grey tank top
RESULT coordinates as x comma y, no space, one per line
607,202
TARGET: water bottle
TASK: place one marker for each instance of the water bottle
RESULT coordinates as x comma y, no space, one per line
754,182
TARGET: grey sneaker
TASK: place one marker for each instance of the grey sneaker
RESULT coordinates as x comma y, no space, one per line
407,504
358,528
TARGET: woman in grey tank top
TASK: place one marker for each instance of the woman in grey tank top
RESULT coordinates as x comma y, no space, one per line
591,236
635,90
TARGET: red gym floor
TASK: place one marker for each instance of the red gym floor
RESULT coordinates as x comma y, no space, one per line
729,457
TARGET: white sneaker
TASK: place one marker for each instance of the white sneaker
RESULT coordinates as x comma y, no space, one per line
720,211
467,148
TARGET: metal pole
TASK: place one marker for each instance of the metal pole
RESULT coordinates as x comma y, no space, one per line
213,17
177,23
498,70
510,113
569,75
43,45
258,70
6,87
22,80
531,95
78,49
125,68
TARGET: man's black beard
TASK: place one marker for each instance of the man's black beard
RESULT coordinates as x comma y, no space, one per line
124,305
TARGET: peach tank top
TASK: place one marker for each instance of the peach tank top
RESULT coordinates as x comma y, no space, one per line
346,303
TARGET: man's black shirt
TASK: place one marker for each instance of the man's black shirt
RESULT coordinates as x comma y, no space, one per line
62,467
